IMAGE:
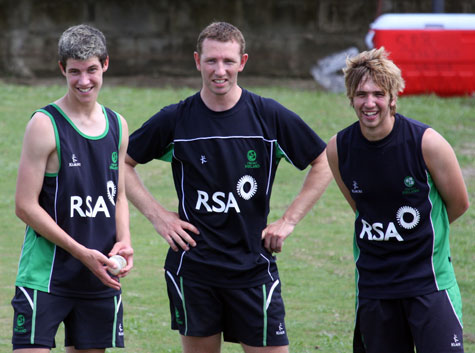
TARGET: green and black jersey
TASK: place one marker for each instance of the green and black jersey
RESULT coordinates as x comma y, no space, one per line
401,226
81,198
224,164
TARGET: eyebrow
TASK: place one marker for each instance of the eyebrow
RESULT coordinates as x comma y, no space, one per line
376,91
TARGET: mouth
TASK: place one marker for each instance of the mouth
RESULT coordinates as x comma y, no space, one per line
370,114
85,90
219,81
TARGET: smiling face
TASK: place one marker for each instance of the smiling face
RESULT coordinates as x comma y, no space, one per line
219,64
84,78
373,108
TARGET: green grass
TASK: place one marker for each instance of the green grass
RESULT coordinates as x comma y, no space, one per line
316,266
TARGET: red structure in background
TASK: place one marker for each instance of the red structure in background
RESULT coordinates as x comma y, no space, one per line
435,52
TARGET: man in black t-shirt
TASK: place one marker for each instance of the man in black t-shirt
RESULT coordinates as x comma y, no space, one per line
224,144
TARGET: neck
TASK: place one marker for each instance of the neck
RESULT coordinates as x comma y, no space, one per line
379,132
221,102
78,109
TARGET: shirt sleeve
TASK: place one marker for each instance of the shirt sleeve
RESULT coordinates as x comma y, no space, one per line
296,140
154,138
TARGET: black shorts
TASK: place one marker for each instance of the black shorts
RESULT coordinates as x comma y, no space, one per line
432,323
253,316
89,323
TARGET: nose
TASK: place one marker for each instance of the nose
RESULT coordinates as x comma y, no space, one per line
220,69
370,101
84,79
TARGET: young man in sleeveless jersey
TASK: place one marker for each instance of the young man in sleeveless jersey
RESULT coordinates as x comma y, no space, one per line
404,183
224,144
71,195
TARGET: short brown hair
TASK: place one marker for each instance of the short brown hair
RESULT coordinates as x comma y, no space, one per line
223,32
82,42
373,64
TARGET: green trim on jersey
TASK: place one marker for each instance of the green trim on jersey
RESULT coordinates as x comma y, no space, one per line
36,262
56,136
168,155
279,153
119,122
106,130
441,260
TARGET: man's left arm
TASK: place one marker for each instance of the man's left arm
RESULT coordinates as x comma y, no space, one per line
123,242
445,170
315,183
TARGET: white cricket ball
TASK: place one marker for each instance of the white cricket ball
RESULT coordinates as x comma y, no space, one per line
121,263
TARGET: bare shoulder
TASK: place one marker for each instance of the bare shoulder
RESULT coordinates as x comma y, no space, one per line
40,123
123,121
332,148
39,133
433,139
125,131
434,145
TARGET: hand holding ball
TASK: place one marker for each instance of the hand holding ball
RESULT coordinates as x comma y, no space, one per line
121,263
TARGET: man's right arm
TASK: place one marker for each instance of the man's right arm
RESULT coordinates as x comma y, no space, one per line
37,158
167,224
332,155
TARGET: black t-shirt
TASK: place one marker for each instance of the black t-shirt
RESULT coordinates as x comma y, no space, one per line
224,164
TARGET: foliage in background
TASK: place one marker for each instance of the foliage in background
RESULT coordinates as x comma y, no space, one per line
316,265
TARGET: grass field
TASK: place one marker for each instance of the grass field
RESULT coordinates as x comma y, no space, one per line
316,266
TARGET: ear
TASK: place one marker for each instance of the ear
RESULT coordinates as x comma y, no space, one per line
63,69
244,58
105,65
393,102
196,56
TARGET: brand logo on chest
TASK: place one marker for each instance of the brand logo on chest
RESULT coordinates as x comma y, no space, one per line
90,206
74,161
223,202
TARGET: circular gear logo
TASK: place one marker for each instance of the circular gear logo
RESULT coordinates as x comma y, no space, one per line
111,191
246,187
408,217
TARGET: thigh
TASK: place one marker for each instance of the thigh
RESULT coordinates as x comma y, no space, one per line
74,350
434,321
381,326
37,316
255,316
195,309
271,349
95,323
210,344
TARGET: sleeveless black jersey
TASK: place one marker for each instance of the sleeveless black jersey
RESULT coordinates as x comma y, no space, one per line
81,198
224,165
401,235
